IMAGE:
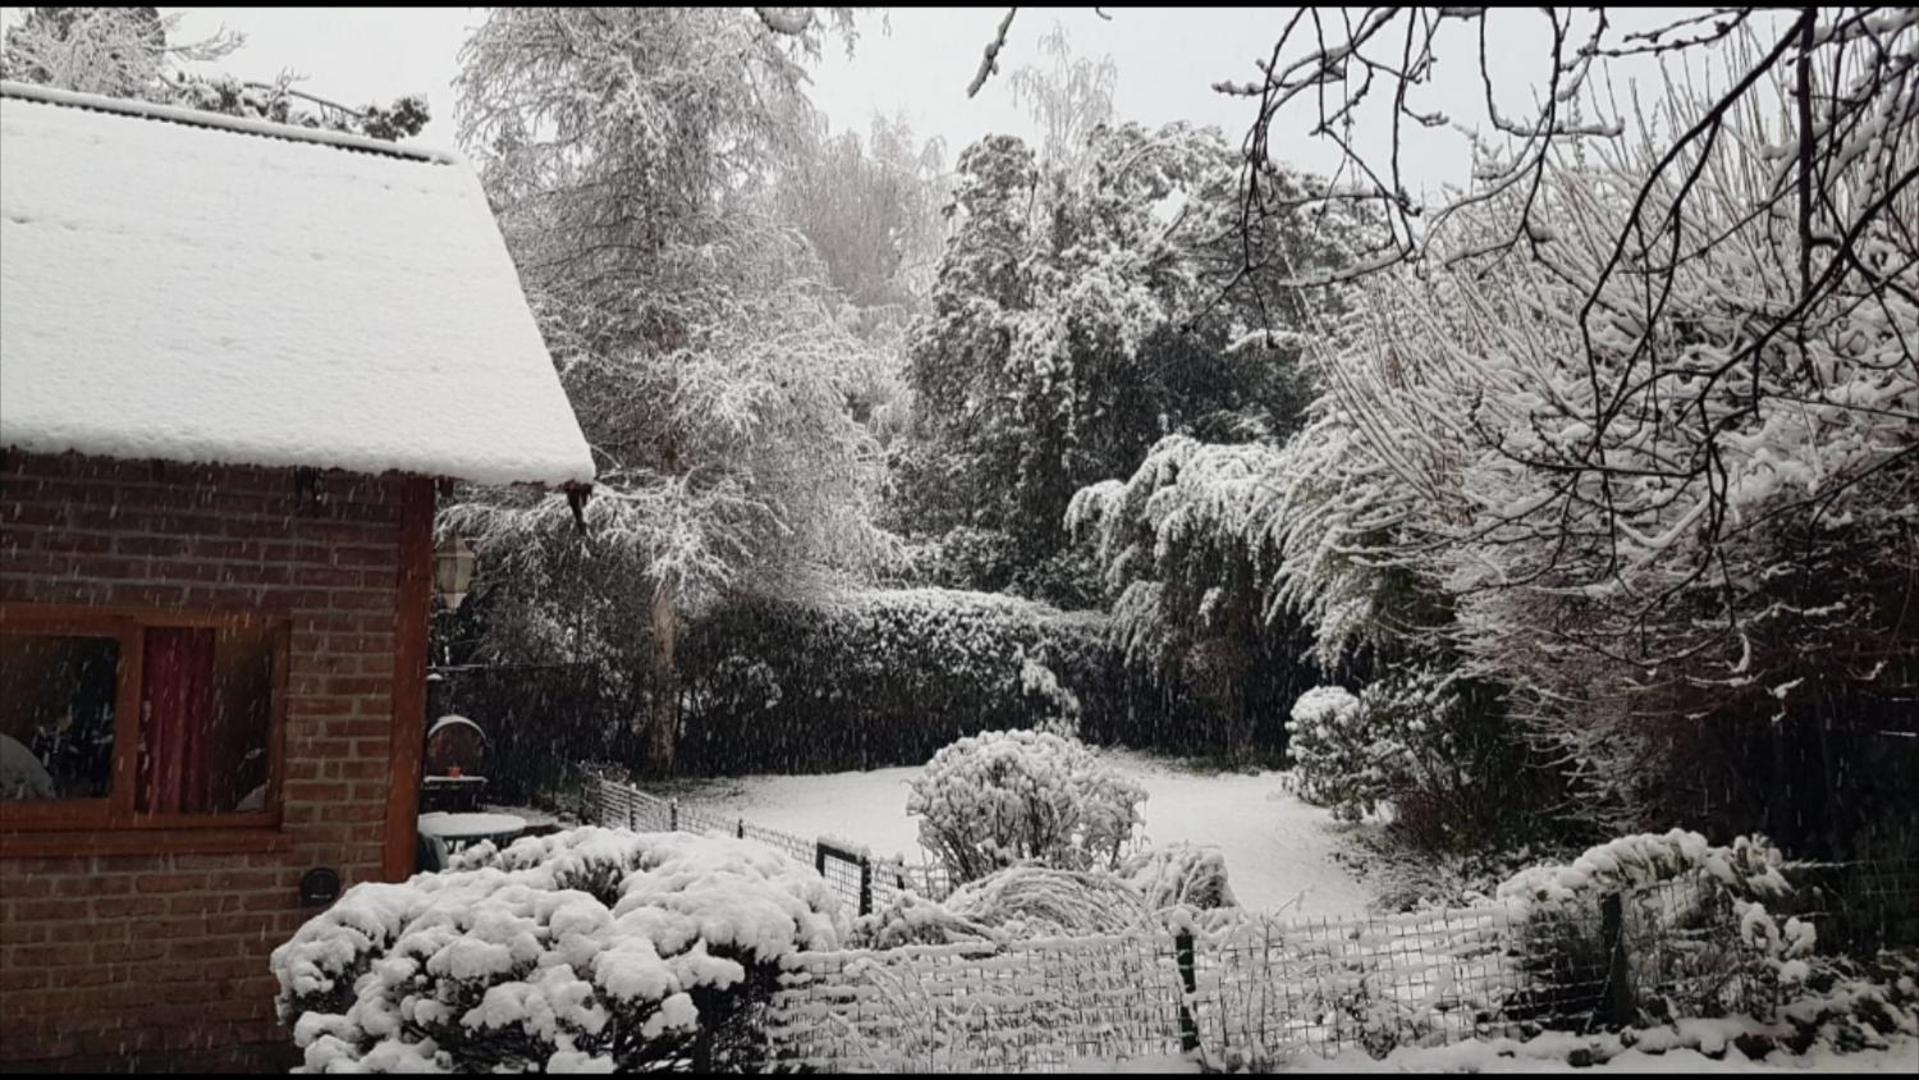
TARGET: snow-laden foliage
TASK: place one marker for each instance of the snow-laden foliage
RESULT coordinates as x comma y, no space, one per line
1188,583
1339,760
587,950
1073,323
1422,742
130,52
1011,904
630,155
1666,887
1598,456
1012,798
1179,875
1025,902
1667,500
1748,867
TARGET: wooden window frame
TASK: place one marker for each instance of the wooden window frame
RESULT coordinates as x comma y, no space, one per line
117,812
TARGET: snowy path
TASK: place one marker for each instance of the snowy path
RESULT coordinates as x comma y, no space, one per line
1276,847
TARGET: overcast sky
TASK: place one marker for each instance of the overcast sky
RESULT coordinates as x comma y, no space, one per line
919,60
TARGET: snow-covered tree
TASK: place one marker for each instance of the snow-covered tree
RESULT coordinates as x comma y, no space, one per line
1070,98
1657,460
132,53
870,208
630,154
1069,330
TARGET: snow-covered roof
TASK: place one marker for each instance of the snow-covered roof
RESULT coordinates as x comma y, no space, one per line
195,287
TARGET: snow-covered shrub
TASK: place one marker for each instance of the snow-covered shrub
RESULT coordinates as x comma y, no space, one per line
1179,875
1672,888
1038,681
1343,763
1016,903
591,949
1007,798
1433,745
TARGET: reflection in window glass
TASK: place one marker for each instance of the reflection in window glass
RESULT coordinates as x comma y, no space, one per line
207,719
57,695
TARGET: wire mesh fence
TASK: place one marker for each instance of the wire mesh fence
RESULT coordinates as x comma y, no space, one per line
863,880
1257,990
1040,1006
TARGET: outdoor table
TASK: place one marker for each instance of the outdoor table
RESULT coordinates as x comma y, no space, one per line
443,833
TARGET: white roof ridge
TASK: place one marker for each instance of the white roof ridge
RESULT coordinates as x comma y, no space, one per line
149,110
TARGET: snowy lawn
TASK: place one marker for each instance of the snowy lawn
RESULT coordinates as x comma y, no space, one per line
1277,848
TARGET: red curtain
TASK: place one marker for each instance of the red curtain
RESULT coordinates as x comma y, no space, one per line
178,675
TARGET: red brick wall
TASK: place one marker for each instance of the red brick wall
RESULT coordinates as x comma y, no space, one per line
166,950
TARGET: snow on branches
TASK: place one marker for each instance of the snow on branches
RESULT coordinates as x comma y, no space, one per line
1007,798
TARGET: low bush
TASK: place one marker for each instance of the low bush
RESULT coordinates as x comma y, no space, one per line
1016,903
587,950
1179,875
1436,748
1338,763
1010,798
1672,887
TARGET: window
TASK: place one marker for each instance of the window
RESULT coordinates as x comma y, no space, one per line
139,719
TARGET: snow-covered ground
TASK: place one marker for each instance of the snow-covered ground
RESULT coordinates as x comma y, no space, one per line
1901,1057
1278,849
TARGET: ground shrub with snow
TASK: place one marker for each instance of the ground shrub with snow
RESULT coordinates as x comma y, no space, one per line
1339,762
1009,798
587,950
1023,902
1014,904
1687,908
1179,875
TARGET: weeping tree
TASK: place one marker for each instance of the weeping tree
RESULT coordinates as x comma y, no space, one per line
629,154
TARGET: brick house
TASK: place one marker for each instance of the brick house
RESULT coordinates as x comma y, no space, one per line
237,362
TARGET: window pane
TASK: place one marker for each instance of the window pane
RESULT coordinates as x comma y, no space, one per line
205,731
57,694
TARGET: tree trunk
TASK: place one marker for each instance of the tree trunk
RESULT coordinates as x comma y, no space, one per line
663,720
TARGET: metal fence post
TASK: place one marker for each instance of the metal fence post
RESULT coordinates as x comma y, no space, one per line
1183,955
740,829
1618,1003
673,815
866,884
819,858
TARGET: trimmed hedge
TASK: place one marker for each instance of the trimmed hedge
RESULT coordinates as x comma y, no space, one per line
875,678
879,678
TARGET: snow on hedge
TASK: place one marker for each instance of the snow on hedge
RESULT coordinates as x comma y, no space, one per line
587,950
